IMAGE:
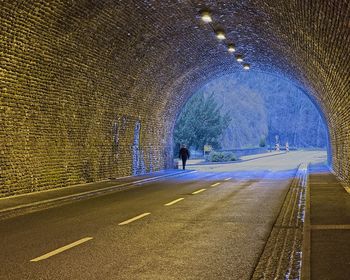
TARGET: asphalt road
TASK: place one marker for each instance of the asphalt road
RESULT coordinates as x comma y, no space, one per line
215,226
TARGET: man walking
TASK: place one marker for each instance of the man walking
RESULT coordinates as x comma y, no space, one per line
184,154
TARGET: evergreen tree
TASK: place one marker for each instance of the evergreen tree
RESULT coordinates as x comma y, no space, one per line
200,123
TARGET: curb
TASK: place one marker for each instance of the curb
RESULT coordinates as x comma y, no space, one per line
347,188
48,203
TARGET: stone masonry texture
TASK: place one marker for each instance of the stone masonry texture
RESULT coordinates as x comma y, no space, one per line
90,89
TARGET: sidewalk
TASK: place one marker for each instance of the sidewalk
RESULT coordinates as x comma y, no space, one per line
329,226
24,203
200,161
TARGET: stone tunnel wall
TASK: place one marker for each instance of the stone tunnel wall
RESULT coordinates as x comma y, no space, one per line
90,89
68,110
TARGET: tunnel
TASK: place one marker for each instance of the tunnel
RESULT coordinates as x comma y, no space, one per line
90,90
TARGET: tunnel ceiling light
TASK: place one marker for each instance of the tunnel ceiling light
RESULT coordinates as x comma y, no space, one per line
239,57
206,16
246,66
231,48
220,35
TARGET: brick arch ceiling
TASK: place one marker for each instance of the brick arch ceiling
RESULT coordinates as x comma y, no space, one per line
78,76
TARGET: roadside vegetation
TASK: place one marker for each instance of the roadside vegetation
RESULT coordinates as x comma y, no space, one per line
220,157
201,122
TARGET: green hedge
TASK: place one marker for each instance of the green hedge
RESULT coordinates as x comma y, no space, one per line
221,156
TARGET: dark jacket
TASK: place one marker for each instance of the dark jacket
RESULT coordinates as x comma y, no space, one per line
184,153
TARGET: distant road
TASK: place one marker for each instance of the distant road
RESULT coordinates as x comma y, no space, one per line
269,161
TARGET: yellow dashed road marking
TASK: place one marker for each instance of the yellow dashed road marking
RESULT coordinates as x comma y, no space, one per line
199,191
62,249
174,201
134,219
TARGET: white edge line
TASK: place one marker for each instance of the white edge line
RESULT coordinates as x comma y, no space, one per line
88,192
53,189
134,219
199,191
306,242
174,201
62,249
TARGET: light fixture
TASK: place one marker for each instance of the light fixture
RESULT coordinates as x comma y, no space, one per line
220,35
206,16
239,57
246,66
231,48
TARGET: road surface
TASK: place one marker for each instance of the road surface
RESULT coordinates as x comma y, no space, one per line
201,225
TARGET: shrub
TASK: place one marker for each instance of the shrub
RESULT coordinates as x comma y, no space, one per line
221,157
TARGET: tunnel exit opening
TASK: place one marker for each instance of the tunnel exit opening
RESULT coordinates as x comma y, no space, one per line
238,117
